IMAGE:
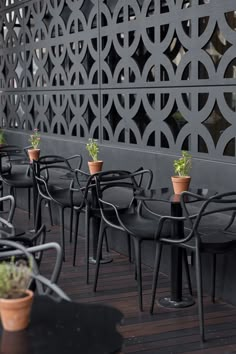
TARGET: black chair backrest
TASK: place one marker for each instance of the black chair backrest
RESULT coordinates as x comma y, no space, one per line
74,161
47,169
44,286
7,153
122,178
219,203
82,184
114,186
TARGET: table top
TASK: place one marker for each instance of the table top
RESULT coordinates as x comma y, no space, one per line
66,328
19,161
166,194
10,149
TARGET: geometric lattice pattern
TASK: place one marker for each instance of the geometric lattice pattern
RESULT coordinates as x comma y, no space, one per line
160,74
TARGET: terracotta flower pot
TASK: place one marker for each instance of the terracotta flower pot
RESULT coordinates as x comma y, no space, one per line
180,183
15,313
33,154
95,166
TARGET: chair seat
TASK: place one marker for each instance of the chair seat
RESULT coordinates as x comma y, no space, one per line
213,241
141,227
62,197
121,198
18,180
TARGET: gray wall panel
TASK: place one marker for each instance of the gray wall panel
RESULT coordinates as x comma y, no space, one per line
147,78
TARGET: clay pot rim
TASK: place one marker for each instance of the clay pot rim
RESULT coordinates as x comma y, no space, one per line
181,177
29,293
98,161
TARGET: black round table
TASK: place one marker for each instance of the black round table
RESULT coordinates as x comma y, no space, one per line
176,298
66,328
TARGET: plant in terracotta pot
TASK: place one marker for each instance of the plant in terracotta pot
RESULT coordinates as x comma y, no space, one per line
15,298
93,150
182,168
34,140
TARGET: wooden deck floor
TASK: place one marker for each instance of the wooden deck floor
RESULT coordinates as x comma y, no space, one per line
167,331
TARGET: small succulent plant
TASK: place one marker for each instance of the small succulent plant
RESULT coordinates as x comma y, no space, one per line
93,149
14,279
35,139
183,165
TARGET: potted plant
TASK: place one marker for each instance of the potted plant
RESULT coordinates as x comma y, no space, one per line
93,149
182,168
15,298
34,140
2,137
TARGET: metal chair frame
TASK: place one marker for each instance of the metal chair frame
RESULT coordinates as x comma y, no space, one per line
194,239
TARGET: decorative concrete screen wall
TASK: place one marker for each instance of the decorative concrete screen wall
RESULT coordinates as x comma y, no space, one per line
157,74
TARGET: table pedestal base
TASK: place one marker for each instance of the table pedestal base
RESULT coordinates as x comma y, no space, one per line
186,301
105,259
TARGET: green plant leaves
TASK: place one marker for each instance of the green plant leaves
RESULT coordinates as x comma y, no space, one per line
93,149
183,165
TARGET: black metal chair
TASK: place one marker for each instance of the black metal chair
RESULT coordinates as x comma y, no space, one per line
13,244
199,238
47,173
13,177
44,286
9,213
7,229
131,221
122,196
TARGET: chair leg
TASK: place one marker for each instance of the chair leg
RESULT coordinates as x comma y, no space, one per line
38,207
76,236
185,260
29,202
1,189
199,293
106,242
137,252
87,239
155,274
50,212
71,223
1,195
213,284
99,253
135,271
62,231
129,248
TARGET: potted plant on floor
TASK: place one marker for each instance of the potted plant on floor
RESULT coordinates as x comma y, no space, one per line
182,168
15,298
93,149
34,140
